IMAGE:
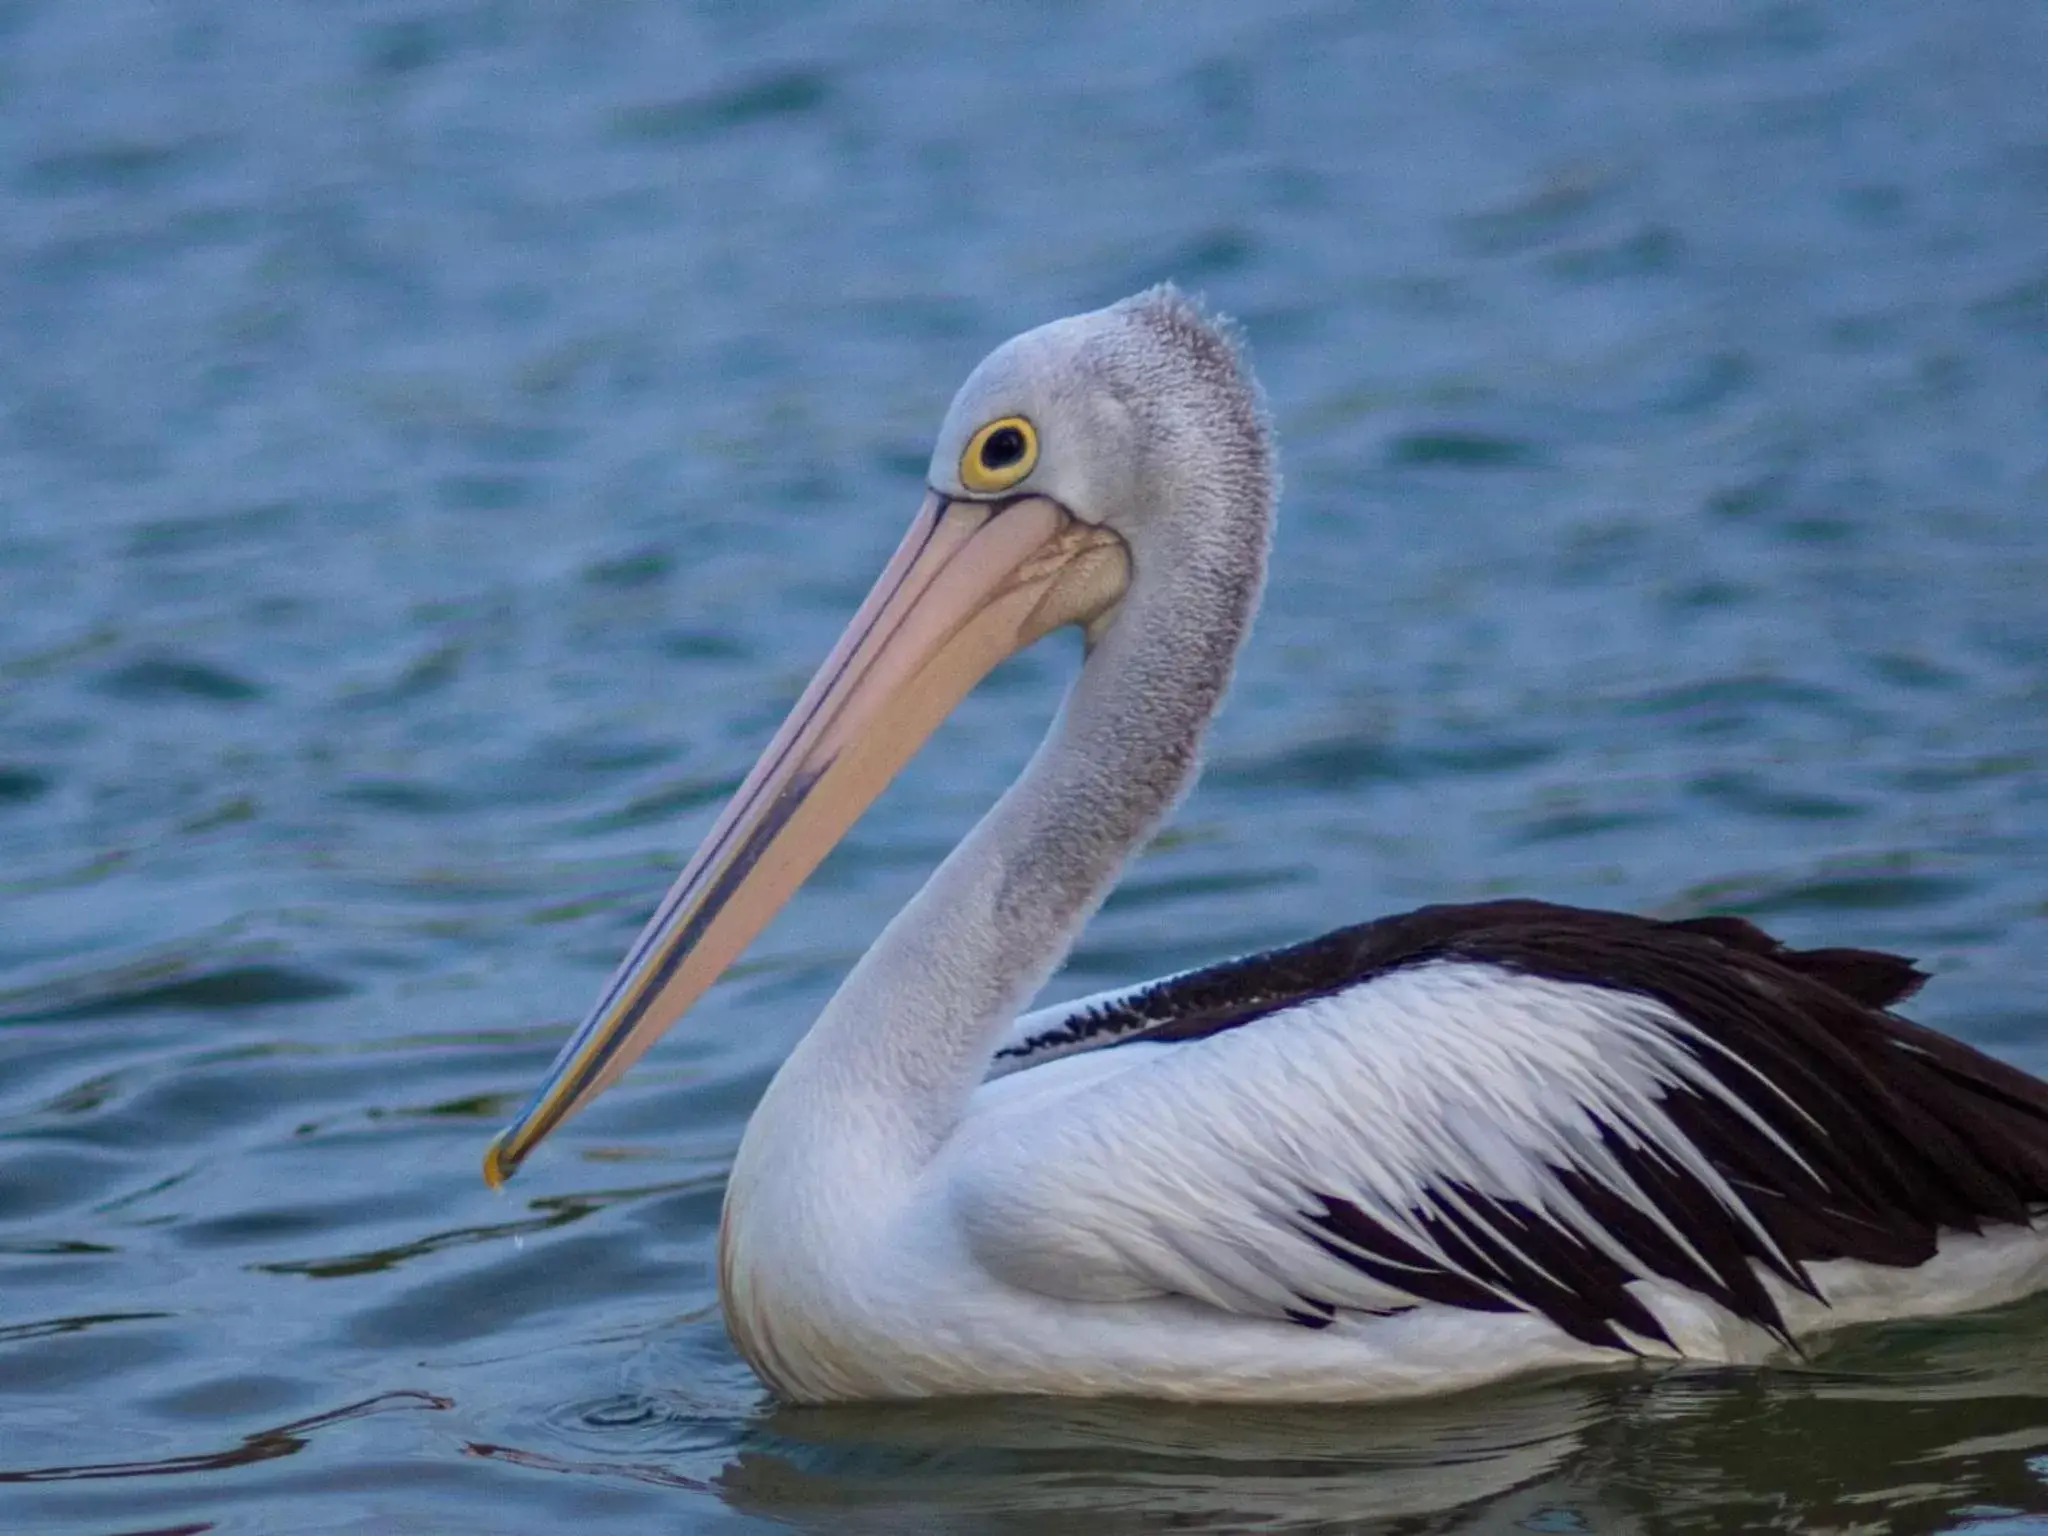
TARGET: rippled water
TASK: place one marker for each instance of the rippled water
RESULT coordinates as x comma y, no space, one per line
436,441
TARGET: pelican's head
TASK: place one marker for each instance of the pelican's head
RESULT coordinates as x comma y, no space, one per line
1082,466
1110,414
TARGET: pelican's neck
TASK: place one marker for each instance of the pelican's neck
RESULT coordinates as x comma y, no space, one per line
883,1076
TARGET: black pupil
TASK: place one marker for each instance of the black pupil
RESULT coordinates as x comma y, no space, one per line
1005,446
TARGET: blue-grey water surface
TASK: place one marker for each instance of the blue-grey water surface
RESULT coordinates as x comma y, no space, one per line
437,440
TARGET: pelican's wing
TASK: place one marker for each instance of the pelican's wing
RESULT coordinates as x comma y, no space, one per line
1505,1107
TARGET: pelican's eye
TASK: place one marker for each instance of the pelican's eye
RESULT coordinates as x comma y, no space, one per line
999,455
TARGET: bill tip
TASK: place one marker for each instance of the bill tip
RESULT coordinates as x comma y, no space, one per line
499,1165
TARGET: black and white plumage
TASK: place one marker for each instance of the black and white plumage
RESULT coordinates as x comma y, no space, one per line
1739,1110
1407,1156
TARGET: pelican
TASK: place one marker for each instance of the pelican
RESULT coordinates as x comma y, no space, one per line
1404,1157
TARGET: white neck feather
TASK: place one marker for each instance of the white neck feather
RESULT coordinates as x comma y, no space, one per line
881,1080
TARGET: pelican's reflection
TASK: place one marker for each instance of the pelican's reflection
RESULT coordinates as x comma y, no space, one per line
1922,1428
1006,1466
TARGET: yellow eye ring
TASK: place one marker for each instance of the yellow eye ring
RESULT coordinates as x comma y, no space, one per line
999,455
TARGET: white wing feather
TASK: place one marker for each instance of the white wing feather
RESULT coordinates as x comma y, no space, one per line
1197,1168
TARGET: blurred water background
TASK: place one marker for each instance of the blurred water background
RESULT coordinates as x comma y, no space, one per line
438,439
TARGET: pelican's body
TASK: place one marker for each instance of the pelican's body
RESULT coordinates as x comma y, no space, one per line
1404,1157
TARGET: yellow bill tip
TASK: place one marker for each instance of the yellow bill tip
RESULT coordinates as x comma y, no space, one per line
499,1164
